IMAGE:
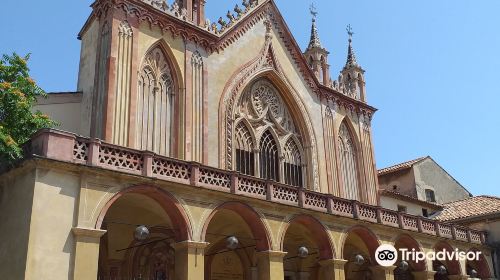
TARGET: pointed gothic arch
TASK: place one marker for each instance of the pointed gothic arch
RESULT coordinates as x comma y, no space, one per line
266,66
158,104
350,167
245,147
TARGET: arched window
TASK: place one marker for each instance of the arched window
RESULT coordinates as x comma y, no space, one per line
245,160
262,111
293,164
349,166
269,161
155,104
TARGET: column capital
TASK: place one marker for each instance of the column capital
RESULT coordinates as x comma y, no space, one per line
189,245
88,232
273,254
334,262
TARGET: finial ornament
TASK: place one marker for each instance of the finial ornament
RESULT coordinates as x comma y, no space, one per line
349,31
313,10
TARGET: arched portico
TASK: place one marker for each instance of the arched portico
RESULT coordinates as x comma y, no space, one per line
307,244
479,267
239,244
359,246
445,268
160,254
414,268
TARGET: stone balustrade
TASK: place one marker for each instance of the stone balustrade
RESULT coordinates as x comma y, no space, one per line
63,146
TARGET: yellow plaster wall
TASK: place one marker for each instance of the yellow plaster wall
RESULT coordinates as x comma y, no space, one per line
16,198
51,242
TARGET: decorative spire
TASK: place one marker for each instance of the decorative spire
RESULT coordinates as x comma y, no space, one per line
314,42
351,56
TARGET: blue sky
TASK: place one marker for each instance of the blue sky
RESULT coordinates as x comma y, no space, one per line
432,69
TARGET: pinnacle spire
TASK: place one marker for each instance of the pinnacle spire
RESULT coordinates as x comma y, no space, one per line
351,56
314,41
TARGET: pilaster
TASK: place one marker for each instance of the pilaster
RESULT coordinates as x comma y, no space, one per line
383,272
270,265
189,260
86,252
333,269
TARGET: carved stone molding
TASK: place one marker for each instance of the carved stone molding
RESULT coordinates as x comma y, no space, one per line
265,62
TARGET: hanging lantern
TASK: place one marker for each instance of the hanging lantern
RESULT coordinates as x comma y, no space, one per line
441,270
403,266
303,252
232,243
359,259
141,233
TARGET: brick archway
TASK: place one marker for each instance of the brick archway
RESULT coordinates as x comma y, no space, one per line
408,242
166,201
453,267
317,230
481,265
370,239
251,218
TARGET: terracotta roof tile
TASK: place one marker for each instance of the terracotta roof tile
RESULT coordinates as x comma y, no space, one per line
400,166
408,198
470,207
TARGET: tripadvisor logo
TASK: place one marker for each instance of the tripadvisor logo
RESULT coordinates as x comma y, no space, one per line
388,255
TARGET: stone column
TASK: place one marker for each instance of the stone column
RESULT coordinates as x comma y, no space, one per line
383,272
86,253
424,275
189,260
332,269
270,265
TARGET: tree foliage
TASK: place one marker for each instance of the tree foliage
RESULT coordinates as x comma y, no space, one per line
18,94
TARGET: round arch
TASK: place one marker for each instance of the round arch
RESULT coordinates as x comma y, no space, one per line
406,241
250,216
481,266
317,230
369,238
167,202
453,267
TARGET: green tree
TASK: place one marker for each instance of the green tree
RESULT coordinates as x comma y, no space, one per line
18,93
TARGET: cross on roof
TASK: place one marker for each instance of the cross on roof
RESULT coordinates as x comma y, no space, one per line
313,10
349,31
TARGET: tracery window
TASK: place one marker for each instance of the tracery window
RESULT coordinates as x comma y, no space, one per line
349,166
271,126
293,164
245,157
155,104
269,161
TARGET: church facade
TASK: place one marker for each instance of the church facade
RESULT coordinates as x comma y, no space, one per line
211,151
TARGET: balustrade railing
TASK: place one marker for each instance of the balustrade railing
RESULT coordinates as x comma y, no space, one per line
67,147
